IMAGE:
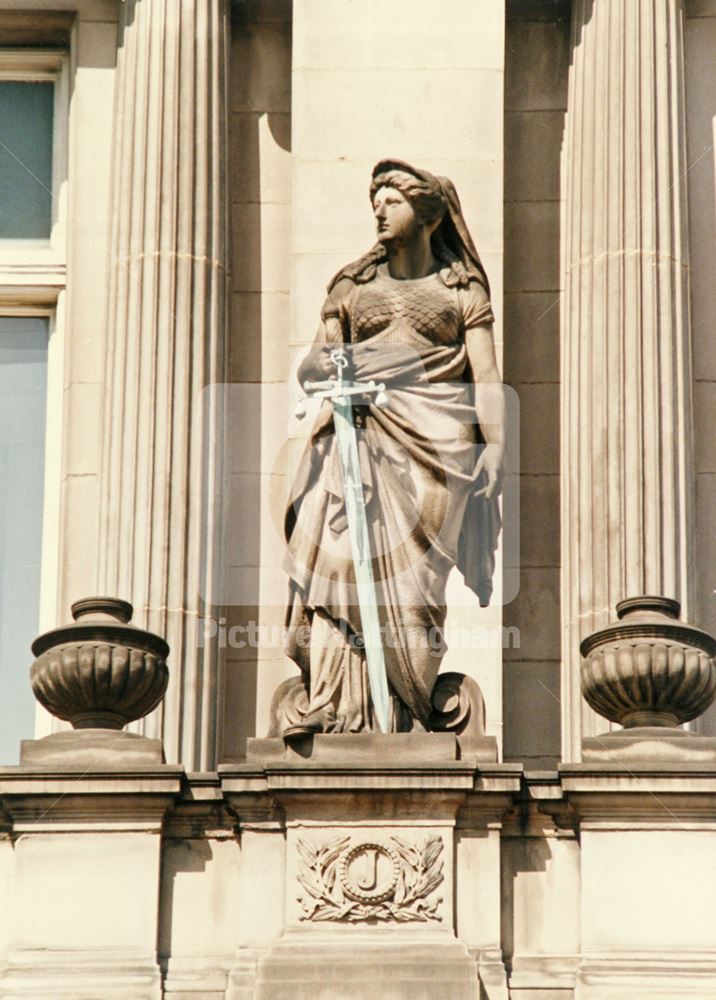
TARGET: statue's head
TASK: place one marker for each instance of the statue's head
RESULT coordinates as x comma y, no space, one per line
434,204
423,193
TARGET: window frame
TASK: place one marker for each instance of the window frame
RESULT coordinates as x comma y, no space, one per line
50,548
33,277
33,272
33,280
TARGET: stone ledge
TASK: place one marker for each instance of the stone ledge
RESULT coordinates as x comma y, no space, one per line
639,774
305,775
70,799
282,791
652,976
637,795
72,975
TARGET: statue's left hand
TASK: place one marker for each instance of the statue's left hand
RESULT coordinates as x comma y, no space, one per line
491,462
317,365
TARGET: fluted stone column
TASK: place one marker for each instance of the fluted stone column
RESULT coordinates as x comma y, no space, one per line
161,473
626,368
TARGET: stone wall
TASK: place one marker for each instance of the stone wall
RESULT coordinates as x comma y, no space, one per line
136,883
537,58
266,329
258,369
700,41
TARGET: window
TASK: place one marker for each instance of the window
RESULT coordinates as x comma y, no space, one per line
26,115
23,392
33,117
33,173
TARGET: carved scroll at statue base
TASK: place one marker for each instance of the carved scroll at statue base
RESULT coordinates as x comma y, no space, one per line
457,729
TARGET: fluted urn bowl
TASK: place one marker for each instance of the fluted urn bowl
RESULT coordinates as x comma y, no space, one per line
100,671
650,669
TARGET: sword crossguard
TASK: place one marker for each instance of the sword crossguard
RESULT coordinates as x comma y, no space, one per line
336,389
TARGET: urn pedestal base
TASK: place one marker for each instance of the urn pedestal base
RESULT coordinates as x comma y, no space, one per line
649,744
379,853
96,748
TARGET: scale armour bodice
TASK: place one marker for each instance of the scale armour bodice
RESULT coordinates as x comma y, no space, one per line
425,305
438,314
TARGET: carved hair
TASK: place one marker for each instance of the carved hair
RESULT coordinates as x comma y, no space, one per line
426,199
432,198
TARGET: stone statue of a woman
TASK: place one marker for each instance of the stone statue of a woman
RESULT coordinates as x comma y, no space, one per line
413,313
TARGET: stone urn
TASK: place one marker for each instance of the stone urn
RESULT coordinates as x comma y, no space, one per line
650,669
99,672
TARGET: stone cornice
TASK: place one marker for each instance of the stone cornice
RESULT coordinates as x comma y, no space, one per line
241,797
75,800
478,795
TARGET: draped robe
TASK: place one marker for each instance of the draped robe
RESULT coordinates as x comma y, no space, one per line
417,456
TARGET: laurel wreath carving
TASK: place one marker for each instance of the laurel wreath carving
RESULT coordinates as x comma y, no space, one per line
419,873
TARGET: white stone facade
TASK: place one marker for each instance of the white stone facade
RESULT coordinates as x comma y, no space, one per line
218,160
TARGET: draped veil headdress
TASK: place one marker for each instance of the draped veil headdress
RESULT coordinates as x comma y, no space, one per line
451,241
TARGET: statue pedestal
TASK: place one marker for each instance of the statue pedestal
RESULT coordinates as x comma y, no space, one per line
351,748
353,859
648,882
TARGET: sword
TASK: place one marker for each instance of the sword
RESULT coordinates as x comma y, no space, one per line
339,391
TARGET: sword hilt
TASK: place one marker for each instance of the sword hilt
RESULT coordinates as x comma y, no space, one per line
339,359
336,389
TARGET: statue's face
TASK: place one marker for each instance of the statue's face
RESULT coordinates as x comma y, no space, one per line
395,217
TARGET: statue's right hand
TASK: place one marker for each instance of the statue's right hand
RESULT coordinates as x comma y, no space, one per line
317,366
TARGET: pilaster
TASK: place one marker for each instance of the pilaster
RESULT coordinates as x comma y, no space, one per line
160,529
200,903
540,893
626,365
478,871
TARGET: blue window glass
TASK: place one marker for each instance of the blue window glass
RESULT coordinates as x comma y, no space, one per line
26,111
23,394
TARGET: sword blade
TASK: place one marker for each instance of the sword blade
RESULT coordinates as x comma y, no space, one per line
360,546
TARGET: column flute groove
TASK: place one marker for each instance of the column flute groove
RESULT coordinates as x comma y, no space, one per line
627,438
160,517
